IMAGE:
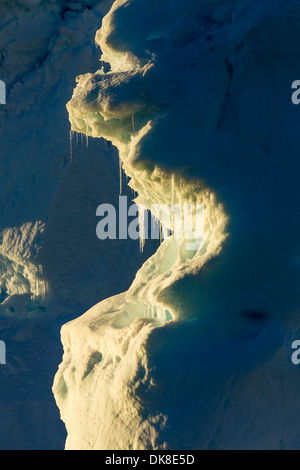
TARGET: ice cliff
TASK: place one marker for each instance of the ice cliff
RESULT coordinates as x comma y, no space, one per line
195,95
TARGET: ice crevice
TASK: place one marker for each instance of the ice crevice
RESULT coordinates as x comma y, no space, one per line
102,382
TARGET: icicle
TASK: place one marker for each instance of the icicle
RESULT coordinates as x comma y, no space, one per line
160,232
76,138
46,289
172,189
43,290
87,135
121,174
142,228
71,144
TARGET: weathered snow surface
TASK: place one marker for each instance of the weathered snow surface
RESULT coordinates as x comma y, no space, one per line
199,88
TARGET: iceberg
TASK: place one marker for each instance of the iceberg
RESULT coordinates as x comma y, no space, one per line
196,353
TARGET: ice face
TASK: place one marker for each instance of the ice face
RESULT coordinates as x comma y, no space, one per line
193,84
224,121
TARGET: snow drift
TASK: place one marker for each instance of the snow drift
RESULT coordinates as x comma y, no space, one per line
190,94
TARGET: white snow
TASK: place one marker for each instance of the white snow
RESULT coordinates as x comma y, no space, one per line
200,81
195,352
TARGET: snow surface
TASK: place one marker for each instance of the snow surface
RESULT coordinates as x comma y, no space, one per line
196,97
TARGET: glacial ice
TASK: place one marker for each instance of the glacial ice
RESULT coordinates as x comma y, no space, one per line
197,352
200,82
